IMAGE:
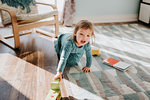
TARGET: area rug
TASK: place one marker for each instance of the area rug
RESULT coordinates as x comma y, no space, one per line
128,43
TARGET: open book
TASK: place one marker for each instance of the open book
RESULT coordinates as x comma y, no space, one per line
120,65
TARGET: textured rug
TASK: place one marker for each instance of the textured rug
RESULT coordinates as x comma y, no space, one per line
127,42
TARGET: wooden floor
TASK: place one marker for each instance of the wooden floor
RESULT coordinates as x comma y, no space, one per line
36,49
27,78
20,80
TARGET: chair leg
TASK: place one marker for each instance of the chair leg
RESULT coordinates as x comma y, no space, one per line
16,36
56,26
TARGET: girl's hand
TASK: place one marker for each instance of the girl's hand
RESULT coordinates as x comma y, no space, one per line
86,69
58,76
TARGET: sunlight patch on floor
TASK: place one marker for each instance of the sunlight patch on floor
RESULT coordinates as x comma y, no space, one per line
130,46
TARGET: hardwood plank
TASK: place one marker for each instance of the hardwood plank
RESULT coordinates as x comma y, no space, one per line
23,79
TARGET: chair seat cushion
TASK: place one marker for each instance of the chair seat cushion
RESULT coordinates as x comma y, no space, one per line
35,17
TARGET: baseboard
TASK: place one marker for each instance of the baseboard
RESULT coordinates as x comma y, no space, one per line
108,19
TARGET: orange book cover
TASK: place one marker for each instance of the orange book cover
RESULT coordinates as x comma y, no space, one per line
111,61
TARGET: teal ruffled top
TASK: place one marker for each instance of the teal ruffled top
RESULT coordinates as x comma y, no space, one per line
70,53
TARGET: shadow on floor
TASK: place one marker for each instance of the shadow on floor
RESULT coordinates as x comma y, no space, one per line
8,92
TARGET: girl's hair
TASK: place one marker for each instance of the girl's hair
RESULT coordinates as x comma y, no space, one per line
84,24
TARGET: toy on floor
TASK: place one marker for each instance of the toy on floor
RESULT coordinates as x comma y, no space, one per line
55,85
95,51
54,93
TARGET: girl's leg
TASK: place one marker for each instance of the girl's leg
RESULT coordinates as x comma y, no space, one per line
58,56
58,46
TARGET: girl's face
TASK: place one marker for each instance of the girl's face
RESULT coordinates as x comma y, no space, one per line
83,36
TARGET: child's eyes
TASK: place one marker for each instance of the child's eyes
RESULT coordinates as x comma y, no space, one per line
87,35
81,34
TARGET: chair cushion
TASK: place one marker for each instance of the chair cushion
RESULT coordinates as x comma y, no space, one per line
36,17
24,8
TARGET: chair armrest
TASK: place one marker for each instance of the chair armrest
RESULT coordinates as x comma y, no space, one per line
53,6
11,13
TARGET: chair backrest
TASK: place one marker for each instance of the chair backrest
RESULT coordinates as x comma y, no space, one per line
18,6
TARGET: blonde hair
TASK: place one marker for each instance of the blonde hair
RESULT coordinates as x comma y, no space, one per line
84,24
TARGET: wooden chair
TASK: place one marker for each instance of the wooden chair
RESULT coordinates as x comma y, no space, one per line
23,22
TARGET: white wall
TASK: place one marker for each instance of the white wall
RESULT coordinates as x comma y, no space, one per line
102,11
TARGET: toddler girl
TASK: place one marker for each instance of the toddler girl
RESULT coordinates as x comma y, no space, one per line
70,48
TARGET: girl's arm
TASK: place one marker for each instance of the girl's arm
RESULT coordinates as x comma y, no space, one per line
87,68
88,55
64,56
